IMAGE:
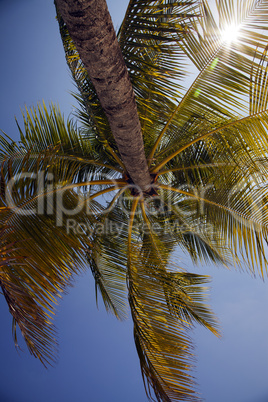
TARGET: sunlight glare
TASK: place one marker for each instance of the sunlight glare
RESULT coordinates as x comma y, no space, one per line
230,33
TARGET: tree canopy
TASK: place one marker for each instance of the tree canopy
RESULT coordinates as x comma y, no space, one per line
205,148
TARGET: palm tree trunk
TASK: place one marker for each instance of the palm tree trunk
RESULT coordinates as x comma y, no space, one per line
91,29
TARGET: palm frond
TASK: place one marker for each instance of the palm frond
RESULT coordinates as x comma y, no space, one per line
244,140
108,259
163,344
163,306
235,211
222,85
203,44
33,321
158,248
45,127
258,86
39,194
148,38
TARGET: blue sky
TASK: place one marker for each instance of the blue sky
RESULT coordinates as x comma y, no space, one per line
97,358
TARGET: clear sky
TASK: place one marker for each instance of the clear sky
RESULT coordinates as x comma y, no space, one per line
97,358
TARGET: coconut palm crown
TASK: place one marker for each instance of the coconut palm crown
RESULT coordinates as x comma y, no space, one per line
70,203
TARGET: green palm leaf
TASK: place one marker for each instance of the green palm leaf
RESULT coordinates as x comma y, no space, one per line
163,346
108,259
33,321
39,192
52,256
164,304
258,87
225,67
149,38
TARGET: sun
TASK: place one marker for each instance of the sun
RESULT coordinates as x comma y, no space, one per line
230,33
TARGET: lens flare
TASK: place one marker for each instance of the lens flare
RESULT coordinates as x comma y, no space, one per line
230,33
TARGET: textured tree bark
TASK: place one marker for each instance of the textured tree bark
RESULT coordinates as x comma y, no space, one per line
91,29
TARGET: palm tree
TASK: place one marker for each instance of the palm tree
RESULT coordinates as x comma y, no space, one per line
205,151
